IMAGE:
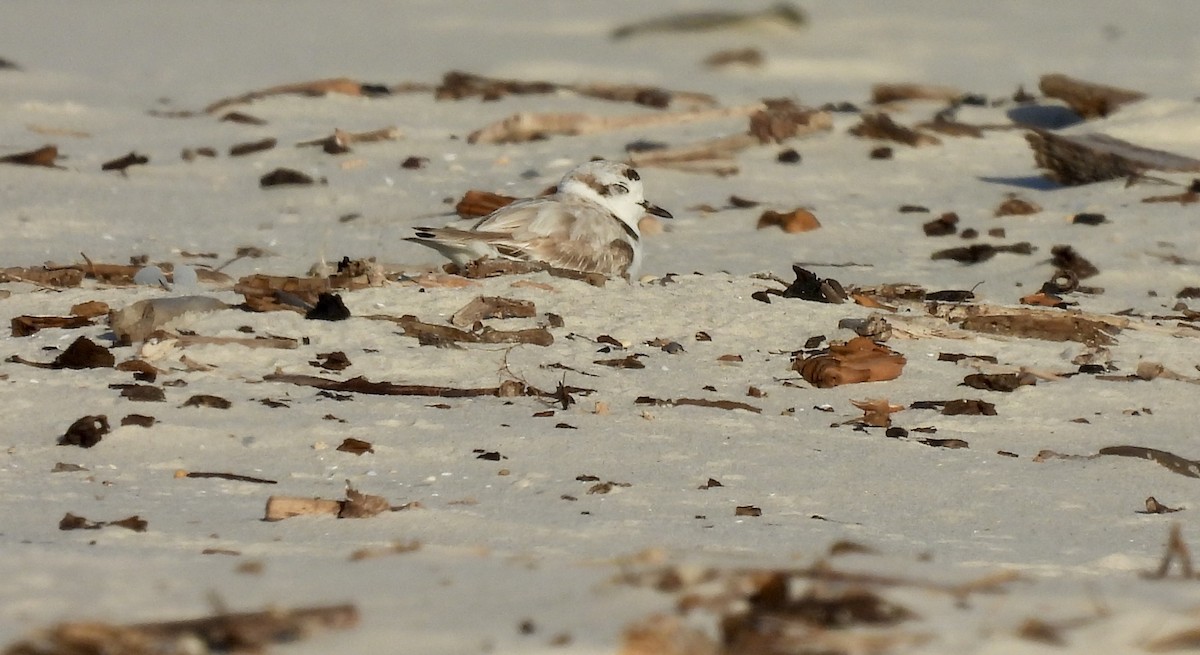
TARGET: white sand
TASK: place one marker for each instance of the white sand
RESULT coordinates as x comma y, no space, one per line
500,549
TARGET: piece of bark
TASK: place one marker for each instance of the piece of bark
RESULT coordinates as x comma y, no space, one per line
122,163
57,277
23,326
285,177
44,156
340,139
1088,99
881,127
250,147
429,334
1085,158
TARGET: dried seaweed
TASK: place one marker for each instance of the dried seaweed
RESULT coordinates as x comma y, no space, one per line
507,389
697,402
1173,463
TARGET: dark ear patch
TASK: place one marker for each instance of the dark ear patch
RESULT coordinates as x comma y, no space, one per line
632,174
614,190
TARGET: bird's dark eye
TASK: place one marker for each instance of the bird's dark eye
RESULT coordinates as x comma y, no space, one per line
632,174
617,189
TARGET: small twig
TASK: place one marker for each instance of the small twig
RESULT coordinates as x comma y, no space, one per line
230,476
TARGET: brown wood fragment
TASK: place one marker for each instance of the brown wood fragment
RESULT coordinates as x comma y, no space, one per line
44,156
1086,158
285,177
355,446
457,85
697,402
342,85
943,125
485,268
507,389
341,140
429,334
882,94
1057,327
528,126
23,326
1088,99
220,633
1171,461
881,127
748,57
484,307
250,147
747,510
122,163
229,476
57,277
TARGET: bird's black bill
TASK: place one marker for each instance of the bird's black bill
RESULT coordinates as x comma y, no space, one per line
656,210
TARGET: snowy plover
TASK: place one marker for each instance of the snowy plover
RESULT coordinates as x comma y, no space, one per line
589,225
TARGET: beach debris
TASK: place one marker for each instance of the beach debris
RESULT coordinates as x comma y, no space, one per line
1067,259
83,353
70,521
1172,462
981,252
315,88
628,361
1088,99
139,420
1155,507
285,177
943,225
1017,206
190,154
329,307
1079,159
885,93
1033,322
880,127
141,393
797,220
56,277
85,432
506,389
808,286
235,477
355,446
774,121
788,156
457,85
242,118
1006,382
697,402
430,334
485,307
747,510
485,268
122,163
251,147
530,126
141,319
207,400
1089,218
957,407
44,156
857,360
747,57
340,141
219,633
877,412
396,548
357,505
783,14
332,361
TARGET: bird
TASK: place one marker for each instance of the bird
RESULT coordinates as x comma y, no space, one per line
590,225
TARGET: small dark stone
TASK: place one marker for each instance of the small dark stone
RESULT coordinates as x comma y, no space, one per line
240,149
970,233
84,353
761,296
997,233
1091,369
143,393
284,176
941,226
913,209
121,163
1088,219
413,163
206,400
789,156
139,420
882,152
1188,292
895,432
329,308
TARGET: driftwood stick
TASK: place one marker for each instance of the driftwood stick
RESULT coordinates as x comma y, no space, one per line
1088,99
1087,158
